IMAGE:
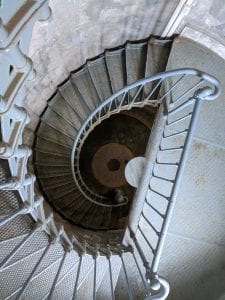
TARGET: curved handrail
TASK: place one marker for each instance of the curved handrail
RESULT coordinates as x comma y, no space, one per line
96,117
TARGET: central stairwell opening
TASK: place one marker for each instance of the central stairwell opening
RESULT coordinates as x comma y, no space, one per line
99,198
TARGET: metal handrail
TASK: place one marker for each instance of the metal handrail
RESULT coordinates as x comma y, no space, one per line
34,206
113,106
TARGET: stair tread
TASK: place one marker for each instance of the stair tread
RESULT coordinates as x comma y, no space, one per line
65,109
100,77
52,134
59,123
85,290
115,60
135,61
104,291
41,157
156,61
85,85
52,170
72,96
67,200
94,216
59,191
106,221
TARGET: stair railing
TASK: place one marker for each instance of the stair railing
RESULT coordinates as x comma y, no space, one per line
17,67
160,170
138,94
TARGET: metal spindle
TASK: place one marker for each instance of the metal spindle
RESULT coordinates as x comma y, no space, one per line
126,276
77,278
111,278
199,96
95,276
139,270
26,283
50,296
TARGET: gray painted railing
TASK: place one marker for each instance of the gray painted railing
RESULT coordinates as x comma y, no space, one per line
131,96
17,68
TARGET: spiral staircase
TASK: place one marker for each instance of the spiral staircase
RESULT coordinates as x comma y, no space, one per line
109,229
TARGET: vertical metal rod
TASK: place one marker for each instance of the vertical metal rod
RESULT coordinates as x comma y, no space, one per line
139,270
111,278
95,275
77,278
20,294
126,277
57,276
143,257
174,192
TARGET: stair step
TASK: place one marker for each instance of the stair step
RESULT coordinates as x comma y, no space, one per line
104,290
47,269
58,192
55,180
107,218
63,108
44,145
57,185
78,214
21,273
135,63
52,170
72,96
9,202
100,77
70,199
94,216
65,284
85,290
72,203
21,225
30,247
8,245
59,123
115,61
51,158
157,57
54,135
82,80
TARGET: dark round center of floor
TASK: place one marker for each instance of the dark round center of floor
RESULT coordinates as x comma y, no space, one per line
113,165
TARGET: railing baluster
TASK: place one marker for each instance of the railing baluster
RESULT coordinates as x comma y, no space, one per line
171,88
147,241
181,119
156,210
50,296
198,97
77,278
188,91
95,276
110,275
181,107
139,270
150,224
26,283
126,276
